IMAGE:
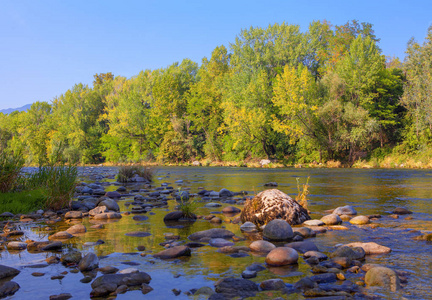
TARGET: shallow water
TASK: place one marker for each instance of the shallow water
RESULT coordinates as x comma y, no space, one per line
369,191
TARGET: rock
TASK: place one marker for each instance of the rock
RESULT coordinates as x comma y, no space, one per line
401,211
128,271
98,210
324,278
384,277
272,284
182,196
273,204
89,262
61,235
219,242
211,234
212,205
261,246
108,215
7,214
249,274
359,220
331,219
8,288
138,234
173,216
306,283
173,252
313,223
271,184
303,246
204,291
282,256
233,287
71,258
257,267
353,253
231,210
145,288
74,215
107,284
319,255
196,163
108,270
264,162
224,193
52,260
344,262
6,271
140,218
278,230
345,210
370,248
76,229
216,220
248,226
63,296
305,232
16,246
113,195
110,204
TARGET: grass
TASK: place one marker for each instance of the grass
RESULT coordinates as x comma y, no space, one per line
303,192
187,207
10,169
126,173
22,202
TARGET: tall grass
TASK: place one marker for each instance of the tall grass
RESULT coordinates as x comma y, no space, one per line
303,192
187,206
127,173
10,168
22,202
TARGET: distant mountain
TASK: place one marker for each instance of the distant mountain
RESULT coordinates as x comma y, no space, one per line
9,110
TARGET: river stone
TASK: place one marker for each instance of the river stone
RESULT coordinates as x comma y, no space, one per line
108,270
320,256
174,252
272,284
71,258
235,287
261,246
8,288
16,246
331,219
44,246
6,271
324,278
344,262
61,235
216,220
110,204
113,195
128,271
63,296
211,234
401,211
182,196
224,193
74,215
108,215
219,242
271,184
359,220
384,277
212,204
278,230
140,218
98,210
282,256
248,226
353,253
273,204
303,246
76,229
138,234
246,274
345,210
89,262
107,284
305,232
231,210
313,223
371,247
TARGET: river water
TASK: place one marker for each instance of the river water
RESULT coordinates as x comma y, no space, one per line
376,191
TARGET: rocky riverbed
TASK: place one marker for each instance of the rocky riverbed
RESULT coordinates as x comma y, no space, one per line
128,241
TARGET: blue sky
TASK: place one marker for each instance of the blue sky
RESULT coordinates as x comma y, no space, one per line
48,46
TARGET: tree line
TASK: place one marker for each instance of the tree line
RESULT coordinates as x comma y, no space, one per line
328,93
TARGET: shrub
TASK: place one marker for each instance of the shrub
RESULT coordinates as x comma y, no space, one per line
10,167
126,173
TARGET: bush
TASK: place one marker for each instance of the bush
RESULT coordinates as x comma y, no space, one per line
10,169
126,173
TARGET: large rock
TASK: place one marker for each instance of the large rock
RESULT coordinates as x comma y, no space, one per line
401,211
98,210
261,246
107,284
233,287
113,195
110,204
224,193
231,210
273,204
345,210
219,242
108,215
71,258
16,246
174,252
74,215
359,220
352,253
177,216
370,248
6,271
77,229
89,262
61,235
382,276
8,288
278,230
44,246
331,219
282,256
211,234
303,246
272,284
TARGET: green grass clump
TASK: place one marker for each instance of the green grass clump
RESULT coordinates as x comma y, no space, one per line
126,173
10,169
303,192
187,207
22,202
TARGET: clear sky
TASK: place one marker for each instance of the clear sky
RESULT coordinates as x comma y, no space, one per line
48,46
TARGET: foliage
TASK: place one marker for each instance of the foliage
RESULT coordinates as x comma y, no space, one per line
303,192
187,206
10,167
127,173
